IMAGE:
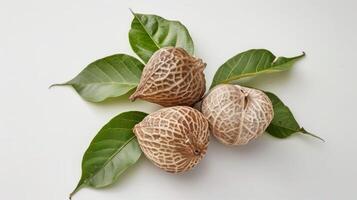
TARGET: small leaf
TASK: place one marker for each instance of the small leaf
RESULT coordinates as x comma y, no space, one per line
252,63
284,124
111,152
149,33
111,76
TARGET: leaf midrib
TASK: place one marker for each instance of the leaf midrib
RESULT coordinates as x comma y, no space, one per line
98,83
249,74
298,130
273,68
112,156
146,31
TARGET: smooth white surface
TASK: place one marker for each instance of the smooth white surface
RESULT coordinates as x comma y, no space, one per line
43,133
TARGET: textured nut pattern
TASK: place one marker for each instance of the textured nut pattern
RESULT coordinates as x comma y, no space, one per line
237,114
174,139
172,77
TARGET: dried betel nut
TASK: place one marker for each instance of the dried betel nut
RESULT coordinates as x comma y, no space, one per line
172,77
237,114
174,139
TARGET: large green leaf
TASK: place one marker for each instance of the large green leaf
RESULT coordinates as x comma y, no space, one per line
283,124
149,33
111,76
111,152
252,63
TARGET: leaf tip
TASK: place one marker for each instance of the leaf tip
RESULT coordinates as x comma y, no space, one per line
57,84
71,195
54,85
78,187
132,12
302,130
303,54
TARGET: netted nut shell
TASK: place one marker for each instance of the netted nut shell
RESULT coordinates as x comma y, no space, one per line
172,77
174,139
237,114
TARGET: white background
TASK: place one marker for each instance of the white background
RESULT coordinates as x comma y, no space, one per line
44,132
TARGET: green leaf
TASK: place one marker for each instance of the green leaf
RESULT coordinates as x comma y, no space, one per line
284,124
111,76
111,152
149,33
252,63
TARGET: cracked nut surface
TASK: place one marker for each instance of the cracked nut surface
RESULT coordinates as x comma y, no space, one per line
175,138
172,77
237,114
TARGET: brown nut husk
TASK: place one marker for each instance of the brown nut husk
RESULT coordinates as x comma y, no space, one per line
237,114
174,139
172,77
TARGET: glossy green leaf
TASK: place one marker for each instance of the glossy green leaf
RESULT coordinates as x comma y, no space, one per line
149,33
284,124
111,152
251,63
111,76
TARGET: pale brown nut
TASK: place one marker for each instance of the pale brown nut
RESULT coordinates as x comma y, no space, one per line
172,77
174,139
237,114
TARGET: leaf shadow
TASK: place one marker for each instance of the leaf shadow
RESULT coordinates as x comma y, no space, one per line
121,103
123,99
255,146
